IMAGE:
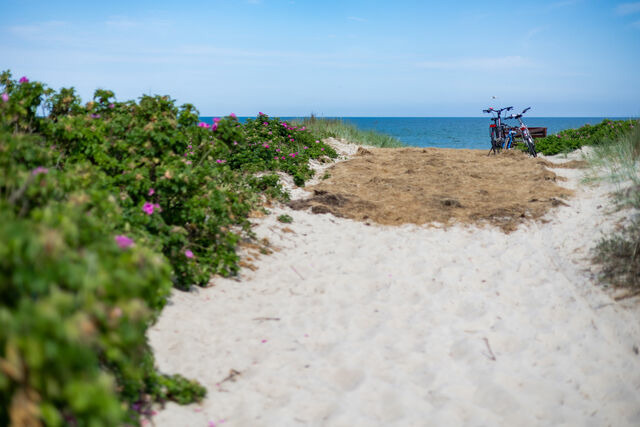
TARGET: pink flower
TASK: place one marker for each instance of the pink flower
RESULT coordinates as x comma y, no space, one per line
123,241
317,142
221,161
270,133
95,116
263,341
23,79
5,97
233,116
112,106
278,150
188,162
322,149
216,120
188,254
204,125
148,208
214,126
189,146
276,158
265,145
305,147
39,170
151,191
265,123
260,113
235,142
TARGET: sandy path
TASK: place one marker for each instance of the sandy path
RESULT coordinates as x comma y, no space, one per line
351,325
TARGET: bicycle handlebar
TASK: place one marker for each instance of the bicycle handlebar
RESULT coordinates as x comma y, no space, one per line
498,111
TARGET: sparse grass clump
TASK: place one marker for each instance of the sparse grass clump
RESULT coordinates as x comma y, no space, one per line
619,254
286,219
340,129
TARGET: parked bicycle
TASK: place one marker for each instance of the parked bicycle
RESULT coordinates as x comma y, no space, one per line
524,130
499,131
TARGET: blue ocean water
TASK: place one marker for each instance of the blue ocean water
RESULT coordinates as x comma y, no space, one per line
451,132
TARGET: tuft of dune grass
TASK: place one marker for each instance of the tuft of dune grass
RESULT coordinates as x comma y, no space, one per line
619,253
337,128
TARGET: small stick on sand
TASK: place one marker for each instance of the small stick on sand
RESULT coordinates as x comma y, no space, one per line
264,319
492,356
296,271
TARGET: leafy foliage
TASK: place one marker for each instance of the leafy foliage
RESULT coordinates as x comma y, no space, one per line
105,206
572,139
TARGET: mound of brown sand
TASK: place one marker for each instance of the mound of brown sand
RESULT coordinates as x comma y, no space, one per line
426,185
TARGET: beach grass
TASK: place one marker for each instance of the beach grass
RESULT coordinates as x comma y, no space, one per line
619,253
338,128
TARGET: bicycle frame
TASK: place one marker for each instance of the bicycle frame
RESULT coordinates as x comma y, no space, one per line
497,129
526,135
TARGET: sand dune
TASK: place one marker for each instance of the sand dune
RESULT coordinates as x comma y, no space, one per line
349,324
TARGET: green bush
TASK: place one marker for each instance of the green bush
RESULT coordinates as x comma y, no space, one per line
572,139
105,206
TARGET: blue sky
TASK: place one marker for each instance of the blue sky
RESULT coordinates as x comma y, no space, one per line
336,58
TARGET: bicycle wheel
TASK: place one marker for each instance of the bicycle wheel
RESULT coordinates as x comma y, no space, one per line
531,146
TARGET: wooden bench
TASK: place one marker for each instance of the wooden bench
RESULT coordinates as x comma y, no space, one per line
536,132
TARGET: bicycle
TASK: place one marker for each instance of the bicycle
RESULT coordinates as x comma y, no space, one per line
498,130
526,135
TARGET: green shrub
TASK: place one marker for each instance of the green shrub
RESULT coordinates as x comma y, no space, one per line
572,139
105,206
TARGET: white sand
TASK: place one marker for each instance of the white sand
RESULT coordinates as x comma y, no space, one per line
355,325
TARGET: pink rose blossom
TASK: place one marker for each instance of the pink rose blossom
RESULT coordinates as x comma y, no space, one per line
233,116
23,79
5,97
151,191
188,162
216,120
188,254
203,125
112,106
148,208
123,241
39,170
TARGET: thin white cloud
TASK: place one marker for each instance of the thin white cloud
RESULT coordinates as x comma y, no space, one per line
36,30
532,33
560,4
477,63
357,19
121,23
628,8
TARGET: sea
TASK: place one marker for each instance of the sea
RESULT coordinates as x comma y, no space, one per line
451,132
